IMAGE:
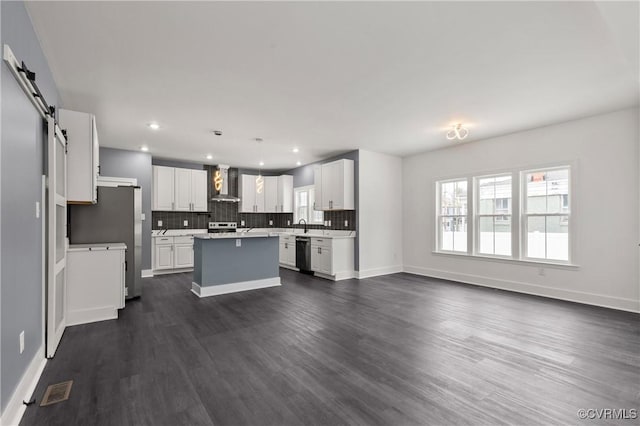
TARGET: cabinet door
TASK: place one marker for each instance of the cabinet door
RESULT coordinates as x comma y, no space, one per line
291,254
164,256
81,181
259,196
96,160
326,264
271,203
328,185
183,256
182,195
163,188
247,194
283,253
285,194
317,184
199,191
316,258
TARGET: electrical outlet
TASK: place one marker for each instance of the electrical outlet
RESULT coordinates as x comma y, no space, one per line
159,223
185,223
242,223
22,341
238,242
142,216
346,223
326,223
270,223
329,223
288,223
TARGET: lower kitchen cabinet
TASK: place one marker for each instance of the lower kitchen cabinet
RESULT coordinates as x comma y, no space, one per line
332,258
172,253
287,251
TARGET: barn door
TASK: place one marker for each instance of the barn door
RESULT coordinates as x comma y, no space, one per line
56,236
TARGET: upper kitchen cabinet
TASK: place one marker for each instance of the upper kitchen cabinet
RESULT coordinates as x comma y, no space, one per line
82,156
317,184
285,194
336,188
271,200
177,189
248,195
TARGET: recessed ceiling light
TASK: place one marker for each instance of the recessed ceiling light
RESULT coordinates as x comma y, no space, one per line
144,148
295,150
262,163
298,163
217,132
154,126
209,157
258,139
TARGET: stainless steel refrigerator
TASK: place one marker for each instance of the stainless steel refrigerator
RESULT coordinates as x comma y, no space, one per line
116,218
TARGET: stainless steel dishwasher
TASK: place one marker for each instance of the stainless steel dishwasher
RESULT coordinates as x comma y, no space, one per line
303,254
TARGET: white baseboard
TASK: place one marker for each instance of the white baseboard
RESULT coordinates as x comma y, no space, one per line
15,408
293,268
147,273
368,273
156,272
214,290
604,301
85,316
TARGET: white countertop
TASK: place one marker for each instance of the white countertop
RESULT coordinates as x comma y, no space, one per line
314,233
257,232
177,232
97,246
227,235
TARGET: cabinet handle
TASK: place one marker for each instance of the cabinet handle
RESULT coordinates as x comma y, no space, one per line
319,250
286,245
281,207
173,205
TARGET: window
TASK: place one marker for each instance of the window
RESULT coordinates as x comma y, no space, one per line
452,218
493,215
520,215
546,214
304,201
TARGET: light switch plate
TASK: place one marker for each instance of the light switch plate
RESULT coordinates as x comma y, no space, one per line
329,223
159,223
238,242
37,209
22,341
142,216
242,223
288,223
270,223
185,223
346,223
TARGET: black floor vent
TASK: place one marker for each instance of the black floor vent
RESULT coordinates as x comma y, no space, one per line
57,393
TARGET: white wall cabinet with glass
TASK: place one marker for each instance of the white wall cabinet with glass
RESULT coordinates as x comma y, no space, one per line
276,195
335,185
178,189
83,161
332,258
288,251
172,254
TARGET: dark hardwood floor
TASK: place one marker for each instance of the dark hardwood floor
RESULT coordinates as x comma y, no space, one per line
392,350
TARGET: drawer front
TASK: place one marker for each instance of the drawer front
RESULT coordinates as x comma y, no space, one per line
321,242
188,239
161,241
286,238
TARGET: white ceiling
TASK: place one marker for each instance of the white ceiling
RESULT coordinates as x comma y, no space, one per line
330,77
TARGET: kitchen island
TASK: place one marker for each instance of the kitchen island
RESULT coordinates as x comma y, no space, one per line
232,262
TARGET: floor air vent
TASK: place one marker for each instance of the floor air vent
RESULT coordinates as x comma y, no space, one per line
57,393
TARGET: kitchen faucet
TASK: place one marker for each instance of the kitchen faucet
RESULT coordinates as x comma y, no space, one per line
305,225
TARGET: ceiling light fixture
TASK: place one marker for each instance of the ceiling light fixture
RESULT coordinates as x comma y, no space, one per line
295,150
209,157
457,132
144,148
153,126
261,163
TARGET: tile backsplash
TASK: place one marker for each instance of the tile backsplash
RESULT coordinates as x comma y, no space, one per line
228,212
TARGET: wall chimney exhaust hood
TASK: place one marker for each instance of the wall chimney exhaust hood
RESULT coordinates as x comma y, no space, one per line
221,185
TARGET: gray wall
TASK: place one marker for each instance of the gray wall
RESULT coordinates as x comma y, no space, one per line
303,176
133,164
21,160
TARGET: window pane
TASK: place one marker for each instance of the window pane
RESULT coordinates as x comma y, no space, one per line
495,235
548,191
536,237
494,195
453,198
558,237
453,233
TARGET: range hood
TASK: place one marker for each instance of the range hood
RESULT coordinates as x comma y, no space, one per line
223,194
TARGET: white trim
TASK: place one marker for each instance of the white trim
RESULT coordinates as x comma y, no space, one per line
116,181
214,290
293,268
618,303
85,316
147,273
505,259
15,408
157,272
368,273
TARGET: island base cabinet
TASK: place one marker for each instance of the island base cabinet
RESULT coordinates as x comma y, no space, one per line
333,258
287,251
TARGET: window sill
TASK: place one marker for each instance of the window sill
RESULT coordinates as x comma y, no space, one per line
538,263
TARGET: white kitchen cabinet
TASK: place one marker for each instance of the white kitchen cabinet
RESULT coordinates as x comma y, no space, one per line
199,192
251,201
271,201
83,161
95,282
287,251
178,189
337,187
285,194
163,188
183,255
317,185
163,253
332,258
